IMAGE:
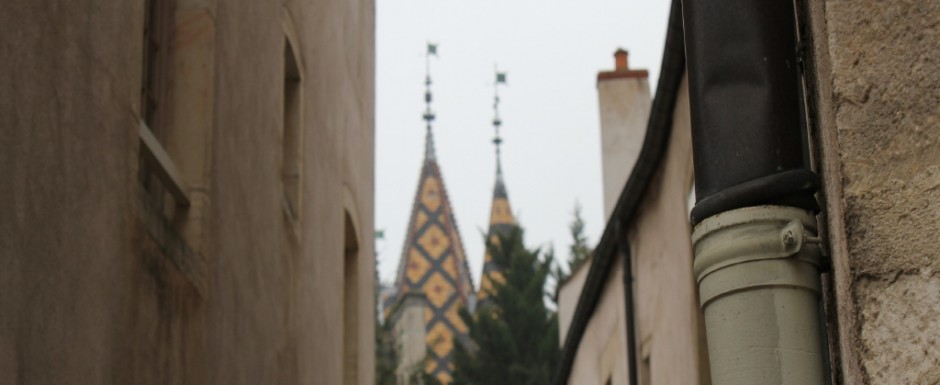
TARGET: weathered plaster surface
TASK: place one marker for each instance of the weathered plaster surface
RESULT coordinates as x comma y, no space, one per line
669,321
884,132
568,295
602,354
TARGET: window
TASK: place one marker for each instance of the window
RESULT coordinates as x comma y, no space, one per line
173,141
157,172
292,136
153,75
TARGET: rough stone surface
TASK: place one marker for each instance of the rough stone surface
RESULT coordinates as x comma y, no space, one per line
886,105
886,88
901,333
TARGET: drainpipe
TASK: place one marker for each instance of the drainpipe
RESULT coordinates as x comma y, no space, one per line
757,255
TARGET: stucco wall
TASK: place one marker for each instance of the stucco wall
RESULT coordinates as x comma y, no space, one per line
602,353
670,333
878,92
568,295
85,296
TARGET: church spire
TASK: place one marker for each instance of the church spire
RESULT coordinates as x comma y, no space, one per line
501,218
432,272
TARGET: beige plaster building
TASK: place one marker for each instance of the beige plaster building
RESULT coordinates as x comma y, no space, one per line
188,192
667,334
871,90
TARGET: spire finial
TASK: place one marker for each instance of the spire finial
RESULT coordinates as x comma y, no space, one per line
497,122
428,113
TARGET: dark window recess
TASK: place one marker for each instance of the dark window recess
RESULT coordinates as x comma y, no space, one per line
291,136
157,24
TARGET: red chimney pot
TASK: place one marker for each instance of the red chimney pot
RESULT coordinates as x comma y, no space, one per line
620,60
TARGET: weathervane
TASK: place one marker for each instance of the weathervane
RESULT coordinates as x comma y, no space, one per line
497,122
428,114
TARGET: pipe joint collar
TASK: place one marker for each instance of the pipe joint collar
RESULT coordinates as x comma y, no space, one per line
756,247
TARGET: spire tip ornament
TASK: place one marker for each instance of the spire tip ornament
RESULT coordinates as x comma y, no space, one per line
497,122
428,115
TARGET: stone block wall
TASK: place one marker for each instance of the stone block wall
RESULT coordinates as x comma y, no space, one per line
878,134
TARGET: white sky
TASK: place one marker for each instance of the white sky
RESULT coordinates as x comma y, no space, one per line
552,51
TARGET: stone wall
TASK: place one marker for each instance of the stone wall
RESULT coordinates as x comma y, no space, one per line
878,130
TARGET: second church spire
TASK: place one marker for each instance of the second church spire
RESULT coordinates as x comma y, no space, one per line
501,219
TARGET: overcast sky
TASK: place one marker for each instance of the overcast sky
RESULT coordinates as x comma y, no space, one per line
551,51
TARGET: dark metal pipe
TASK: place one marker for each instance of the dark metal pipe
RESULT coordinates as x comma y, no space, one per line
632,352
744,89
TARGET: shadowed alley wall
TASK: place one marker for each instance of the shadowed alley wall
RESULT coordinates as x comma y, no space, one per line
93,289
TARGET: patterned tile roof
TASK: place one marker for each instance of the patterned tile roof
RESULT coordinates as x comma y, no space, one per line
433,263
501,221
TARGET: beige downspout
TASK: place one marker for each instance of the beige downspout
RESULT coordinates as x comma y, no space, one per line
758,274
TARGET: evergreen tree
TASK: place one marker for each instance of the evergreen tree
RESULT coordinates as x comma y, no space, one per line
386,356
514,338
579,251
387,360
